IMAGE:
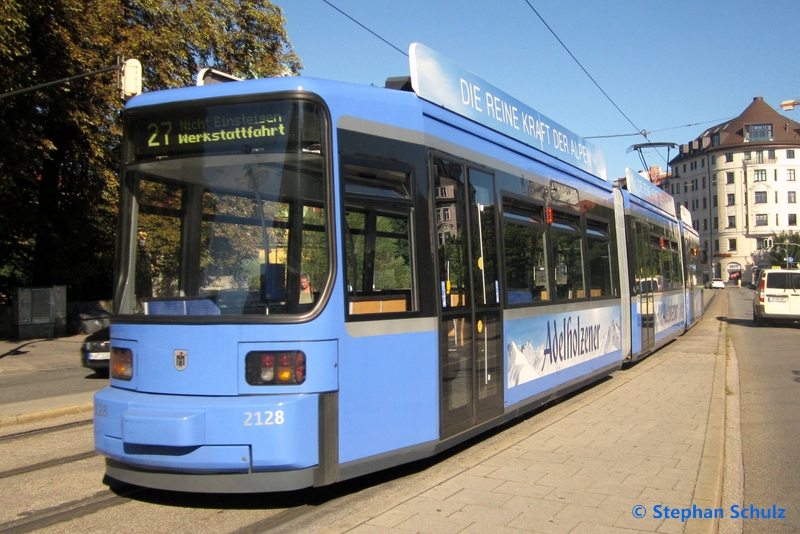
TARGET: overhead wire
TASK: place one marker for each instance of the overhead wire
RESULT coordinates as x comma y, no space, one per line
640,131
370,31
656,131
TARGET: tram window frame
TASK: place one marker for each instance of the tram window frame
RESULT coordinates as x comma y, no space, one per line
390,196
526,217
567,225
678,280
655,250
599,231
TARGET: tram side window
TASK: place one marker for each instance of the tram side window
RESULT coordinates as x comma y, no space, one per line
378,243
525,258
666,267
568,257
599,259
159,240
677,268
656,275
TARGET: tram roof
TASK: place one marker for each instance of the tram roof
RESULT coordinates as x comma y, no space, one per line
434,79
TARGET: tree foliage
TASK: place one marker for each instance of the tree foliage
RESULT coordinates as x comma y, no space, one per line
785,245
60,144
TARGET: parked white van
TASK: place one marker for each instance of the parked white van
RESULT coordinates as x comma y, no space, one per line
777,296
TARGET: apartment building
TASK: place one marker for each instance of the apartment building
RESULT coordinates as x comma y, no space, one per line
739,181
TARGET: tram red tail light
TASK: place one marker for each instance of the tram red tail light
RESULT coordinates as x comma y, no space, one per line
548,216
300,368
266,368
121,363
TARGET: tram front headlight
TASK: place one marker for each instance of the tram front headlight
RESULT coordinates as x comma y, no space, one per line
121,363
266,368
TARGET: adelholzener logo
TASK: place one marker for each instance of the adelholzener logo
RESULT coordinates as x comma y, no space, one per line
181,359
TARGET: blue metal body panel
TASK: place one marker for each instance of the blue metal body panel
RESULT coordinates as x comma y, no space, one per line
389,396
215,358
277,432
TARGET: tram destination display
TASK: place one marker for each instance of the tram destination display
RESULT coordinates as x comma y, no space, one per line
241,128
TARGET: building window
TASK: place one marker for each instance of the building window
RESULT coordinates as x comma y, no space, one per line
762,219
728,177
731,199
792,219
714,201
748,155
715,141
760,175
761,197
705,224
704,182
757,132
731,244
716,245
792,197
716,223
685,187
790,154
731,221
713,160
705,203
729,157
770,154
790,175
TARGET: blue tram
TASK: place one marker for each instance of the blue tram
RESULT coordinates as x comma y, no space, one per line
316,280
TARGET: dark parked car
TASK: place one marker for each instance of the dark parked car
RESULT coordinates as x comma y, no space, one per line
96,351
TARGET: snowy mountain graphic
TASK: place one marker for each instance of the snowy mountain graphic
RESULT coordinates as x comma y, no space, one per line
524,363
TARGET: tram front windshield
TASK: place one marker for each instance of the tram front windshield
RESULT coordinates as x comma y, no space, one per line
227,210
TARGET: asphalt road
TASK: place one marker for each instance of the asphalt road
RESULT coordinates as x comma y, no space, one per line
769,377
19,387
32,370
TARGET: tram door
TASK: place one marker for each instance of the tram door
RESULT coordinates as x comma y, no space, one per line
648,286
470,327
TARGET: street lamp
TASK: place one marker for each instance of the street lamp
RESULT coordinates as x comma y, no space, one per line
788,105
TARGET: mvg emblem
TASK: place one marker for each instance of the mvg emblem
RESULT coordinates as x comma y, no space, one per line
181,358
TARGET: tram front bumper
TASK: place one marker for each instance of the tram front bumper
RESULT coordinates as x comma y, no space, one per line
207,434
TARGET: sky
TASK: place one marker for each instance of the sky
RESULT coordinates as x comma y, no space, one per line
672,68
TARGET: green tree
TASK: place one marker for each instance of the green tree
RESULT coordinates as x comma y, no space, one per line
785,245
60,144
